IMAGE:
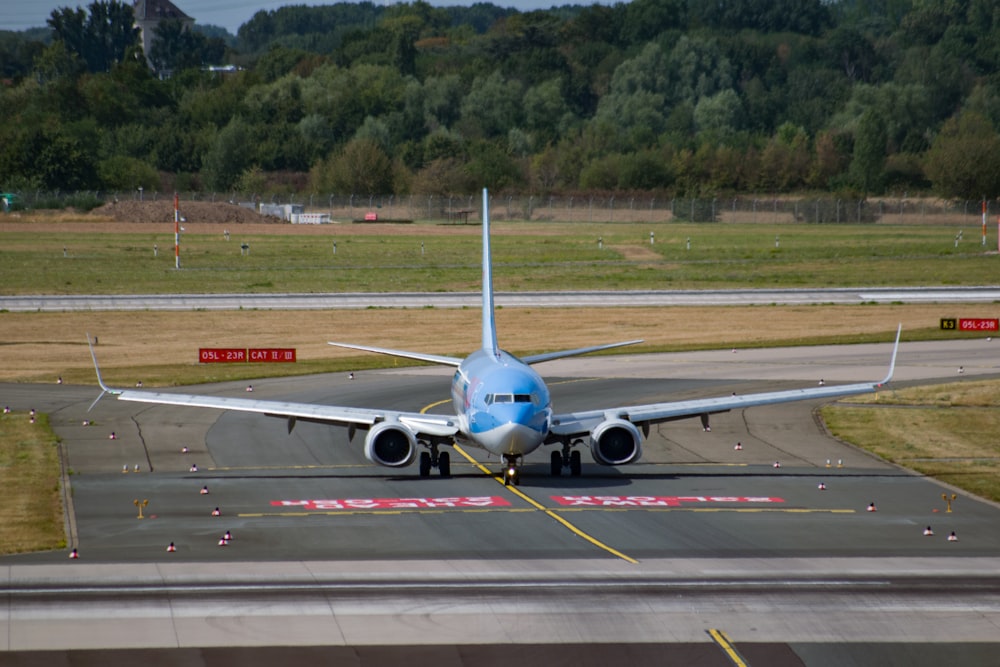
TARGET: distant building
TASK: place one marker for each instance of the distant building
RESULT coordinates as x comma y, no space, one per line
149,13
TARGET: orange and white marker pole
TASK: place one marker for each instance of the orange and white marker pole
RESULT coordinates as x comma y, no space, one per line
984,222
177,233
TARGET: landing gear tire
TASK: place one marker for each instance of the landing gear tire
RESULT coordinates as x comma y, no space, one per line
444,464
425,464
511,477
575,465
557,463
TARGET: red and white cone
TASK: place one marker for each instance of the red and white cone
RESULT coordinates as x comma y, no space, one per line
928,532
216,512
953,537
171,548
228,536
777,464
223,542
871,507
194,467
822,486
74,554
204,490
738,447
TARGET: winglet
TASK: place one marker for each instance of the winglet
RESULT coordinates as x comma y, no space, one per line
892,362
105,389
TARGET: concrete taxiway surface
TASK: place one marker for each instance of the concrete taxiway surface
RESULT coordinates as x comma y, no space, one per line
329,550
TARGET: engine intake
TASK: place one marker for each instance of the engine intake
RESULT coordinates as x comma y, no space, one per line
615,442
390,444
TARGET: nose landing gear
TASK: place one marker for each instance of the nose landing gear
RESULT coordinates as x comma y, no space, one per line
511,470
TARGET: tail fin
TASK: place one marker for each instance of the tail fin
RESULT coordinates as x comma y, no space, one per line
489,321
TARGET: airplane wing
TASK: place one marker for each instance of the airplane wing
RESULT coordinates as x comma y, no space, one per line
578,424
364,418
437,425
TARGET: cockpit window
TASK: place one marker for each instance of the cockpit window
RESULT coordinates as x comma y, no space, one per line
511,398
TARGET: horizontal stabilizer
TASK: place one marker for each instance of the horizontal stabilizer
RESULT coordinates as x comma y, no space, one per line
405,354
549,356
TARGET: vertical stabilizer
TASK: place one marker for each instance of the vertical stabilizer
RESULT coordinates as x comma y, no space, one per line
489,323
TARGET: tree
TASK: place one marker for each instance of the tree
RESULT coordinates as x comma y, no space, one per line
697,68
964,160
492,106
719,116
176,47
869,152
634,107
361,168
127,173
229,156
101,38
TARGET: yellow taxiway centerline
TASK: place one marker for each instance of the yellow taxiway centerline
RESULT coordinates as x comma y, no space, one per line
726,644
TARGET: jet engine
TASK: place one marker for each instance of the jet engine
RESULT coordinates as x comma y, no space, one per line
390,444
615,442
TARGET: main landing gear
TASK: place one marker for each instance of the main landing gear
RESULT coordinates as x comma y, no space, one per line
567,458
434,459
511,469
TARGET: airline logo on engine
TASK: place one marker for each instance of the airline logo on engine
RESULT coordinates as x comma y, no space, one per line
352,504
657,501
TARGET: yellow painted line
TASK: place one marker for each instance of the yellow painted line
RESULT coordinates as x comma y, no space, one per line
726,644
737,510
551,513
597,543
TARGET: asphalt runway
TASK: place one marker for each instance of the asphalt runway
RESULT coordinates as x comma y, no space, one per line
700,554
593,299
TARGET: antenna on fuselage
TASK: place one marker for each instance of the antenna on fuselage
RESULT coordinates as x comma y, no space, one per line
489,323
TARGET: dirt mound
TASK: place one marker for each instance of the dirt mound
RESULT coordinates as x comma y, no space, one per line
162,211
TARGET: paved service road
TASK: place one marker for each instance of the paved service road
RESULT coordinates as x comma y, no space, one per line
701,552
735,297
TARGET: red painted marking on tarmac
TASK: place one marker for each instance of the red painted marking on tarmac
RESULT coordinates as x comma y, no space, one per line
658,501
352,504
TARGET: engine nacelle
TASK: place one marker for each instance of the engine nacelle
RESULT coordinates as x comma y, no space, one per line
390,444
615,442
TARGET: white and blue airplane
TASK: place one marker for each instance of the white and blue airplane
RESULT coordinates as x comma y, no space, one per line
501,405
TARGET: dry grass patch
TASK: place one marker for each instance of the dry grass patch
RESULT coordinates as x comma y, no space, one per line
162,347
31,514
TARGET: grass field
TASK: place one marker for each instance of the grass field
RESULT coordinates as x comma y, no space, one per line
31,516
947,431
59,256
111,258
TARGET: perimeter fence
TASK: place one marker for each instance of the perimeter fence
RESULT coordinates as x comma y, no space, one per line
458,209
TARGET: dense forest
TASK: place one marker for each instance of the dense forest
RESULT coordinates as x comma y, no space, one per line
685,97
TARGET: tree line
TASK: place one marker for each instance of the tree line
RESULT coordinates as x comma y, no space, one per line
682,97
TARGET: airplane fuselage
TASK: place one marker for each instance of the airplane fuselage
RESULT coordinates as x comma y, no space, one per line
503,404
